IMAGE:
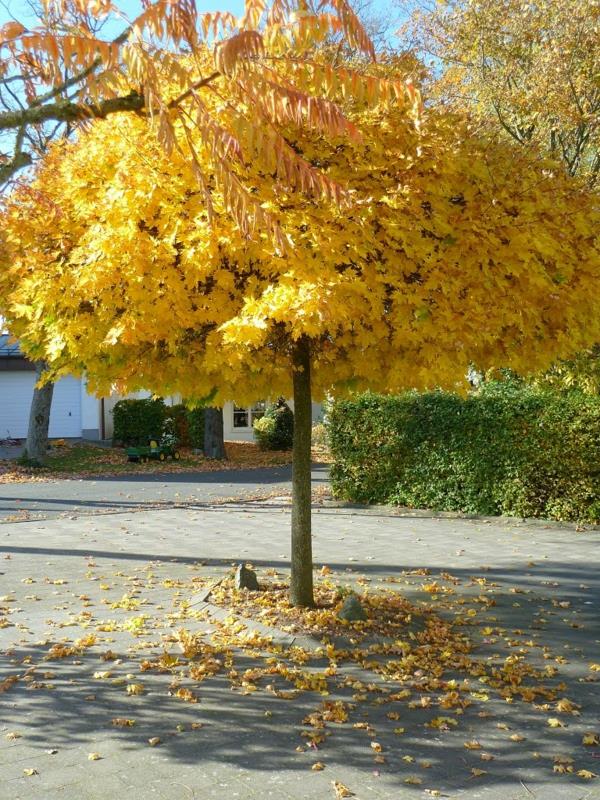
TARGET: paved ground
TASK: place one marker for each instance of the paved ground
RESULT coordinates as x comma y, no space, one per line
541,589
66,498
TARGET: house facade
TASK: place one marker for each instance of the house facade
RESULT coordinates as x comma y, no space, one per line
78,414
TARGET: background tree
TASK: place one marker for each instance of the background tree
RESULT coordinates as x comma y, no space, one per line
529,69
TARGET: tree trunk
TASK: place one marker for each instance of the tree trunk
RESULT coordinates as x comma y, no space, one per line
36,446
301,584
214,444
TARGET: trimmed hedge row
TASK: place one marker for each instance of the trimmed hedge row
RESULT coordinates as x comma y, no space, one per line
510,449
137,421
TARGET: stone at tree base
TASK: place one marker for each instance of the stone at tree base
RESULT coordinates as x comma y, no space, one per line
352,610
246,579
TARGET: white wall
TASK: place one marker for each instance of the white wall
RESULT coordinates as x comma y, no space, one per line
90,413
16,391
232,434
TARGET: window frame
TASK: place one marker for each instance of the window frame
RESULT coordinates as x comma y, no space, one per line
252,413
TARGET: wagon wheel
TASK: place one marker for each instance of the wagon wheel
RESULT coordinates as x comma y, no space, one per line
161,456
176,455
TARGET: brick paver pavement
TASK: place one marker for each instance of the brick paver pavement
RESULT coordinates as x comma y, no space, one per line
547,593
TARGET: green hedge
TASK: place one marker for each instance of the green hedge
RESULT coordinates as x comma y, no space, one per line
510,449
136,421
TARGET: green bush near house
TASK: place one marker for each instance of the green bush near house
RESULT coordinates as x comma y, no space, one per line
137,421
509,449
179,414
275,430
195,423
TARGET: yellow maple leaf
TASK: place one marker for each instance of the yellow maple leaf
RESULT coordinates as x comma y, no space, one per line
340,790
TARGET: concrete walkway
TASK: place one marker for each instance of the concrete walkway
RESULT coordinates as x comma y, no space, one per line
58,576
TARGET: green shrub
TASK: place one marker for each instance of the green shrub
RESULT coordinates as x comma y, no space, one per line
137,421
509,449
195,422
275,431
264,430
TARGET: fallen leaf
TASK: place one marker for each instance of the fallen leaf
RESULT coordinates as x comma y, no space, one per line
413,780
123,722
318,766
586,774
590,739
341,790
94,756
553,722
473,745
477,773
30,771
155,740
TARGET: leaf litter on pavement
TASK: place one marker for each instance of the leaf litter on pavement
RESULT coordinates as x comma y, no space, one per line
431,663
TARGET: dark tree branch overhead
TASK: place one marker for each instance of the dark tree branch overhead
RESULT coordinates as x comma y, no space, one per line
67,111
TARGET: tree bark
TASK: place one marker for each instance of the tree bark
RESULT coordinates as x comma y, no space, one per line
301,583
214,444
36,446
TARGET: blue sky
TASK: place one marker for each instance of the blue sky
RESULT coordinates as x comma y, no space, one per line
18,8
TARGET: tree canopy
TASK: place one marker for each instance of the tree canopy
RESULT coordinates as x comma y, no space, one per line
445,250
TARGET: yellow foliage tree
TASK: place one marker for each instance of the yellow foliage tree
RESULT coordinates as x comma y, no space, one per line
440,249
529,68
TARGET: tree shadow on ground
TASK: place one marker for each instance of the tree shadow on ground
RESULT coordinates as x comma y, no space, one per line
260,732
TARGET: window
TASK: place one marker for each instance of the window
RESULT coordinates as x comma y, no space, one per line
245,417
240,417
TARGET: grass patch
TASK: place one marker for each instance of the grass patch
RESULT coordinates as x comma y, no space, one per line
88,460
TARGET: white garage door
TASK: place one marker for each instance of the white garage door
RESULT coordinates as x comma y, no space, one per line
16,391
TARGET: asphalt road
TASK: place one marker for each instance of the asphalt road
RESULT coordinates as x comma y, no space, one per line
64,498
